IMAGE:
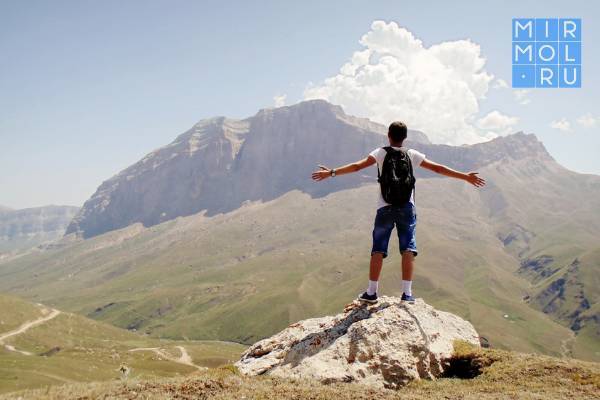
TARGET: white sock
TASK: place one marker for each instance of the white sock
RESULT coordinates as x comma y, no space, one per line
372,289
407,287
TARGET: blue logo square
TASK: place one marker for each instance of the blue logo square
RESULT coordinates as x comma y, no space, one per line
569,29
523,53
570,76
570,53
546,29
546,76
546,52
523,76
523,29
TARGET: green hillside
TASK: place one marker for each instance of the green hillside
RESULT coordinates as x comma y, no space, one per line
538,210
16,312
71,348
244,275
516,258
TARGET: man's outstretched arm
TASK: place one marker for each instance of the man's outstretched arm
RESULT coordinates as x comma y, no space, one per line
470,177
324,172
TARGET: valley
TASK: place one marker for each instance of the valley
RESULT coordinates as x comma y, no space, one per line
222,237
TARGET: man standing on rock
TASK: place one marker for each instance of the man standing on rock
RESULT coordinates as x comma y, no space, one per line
396,205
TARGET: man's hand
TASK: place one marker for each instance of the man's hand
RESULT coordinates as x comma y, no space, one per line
323,173
474,180
471,177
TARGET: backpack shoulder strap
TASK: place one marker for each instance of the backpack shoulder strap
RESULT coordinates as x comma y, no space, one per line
412,172
387,150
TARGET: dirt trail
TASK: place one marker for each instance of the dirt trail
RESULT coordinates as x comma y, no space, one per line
566,350
24,328
184,359
12,348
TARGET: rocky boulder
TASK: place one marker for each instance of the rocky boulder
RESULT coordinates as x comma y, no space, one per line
387,344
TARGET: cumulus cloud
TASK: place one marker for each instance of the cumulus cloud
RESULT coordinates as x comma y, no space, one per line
587,121
522,96
497,123
561,124
279,100
435,89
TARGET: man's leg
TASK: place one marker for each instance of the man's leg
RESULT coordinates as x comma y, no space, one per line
408,259
375,266
406,223
374,272
381,236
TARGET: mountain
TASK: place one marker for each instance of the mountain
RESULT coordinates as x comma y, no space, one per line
40,346
279,247
220,163
21,229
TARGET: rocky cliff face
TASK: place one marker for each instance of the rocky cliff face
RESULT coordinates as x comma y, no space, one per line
190,174
387,345
29,227
220,163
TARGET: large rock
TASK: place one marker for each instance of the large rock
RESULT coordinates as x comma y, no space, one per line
387,344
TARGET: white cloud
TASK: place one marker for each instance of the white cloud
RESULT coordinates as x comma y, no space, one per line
522,96
279,100
497,123
588,120
435,89
500,84
561,124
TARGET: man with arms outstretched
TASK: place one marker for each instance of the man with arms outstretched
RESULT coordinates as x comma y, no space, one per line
396,205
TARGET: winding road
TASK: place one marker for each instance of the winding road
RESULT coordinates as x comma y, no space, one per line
24,328
184,359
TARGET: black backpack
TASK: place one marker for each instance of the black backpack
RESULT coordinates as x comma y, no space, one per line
396,178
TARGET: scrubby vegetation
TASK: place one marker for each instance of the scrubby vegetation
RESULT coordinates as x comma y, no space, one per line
478,374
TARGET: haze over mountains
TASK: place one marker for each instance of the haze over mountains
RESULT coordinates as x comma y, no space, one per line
222,235
20,229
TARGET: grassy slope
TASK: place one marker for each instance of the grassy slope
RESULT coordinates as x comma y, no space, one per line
502,375
15,312
247,274
91,351
557,210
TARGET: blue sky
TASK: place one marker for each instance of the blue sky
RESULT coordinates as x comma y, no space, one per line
88,88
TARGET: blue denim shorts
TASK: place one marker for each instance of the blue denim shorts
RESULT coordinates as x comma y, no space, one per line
405,219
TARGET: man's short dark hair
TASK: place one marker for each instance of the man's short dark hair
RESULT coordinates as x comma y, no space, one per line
397,131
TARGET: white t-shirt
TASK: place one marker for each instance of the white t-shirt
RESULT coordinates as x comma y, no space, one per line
416,158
